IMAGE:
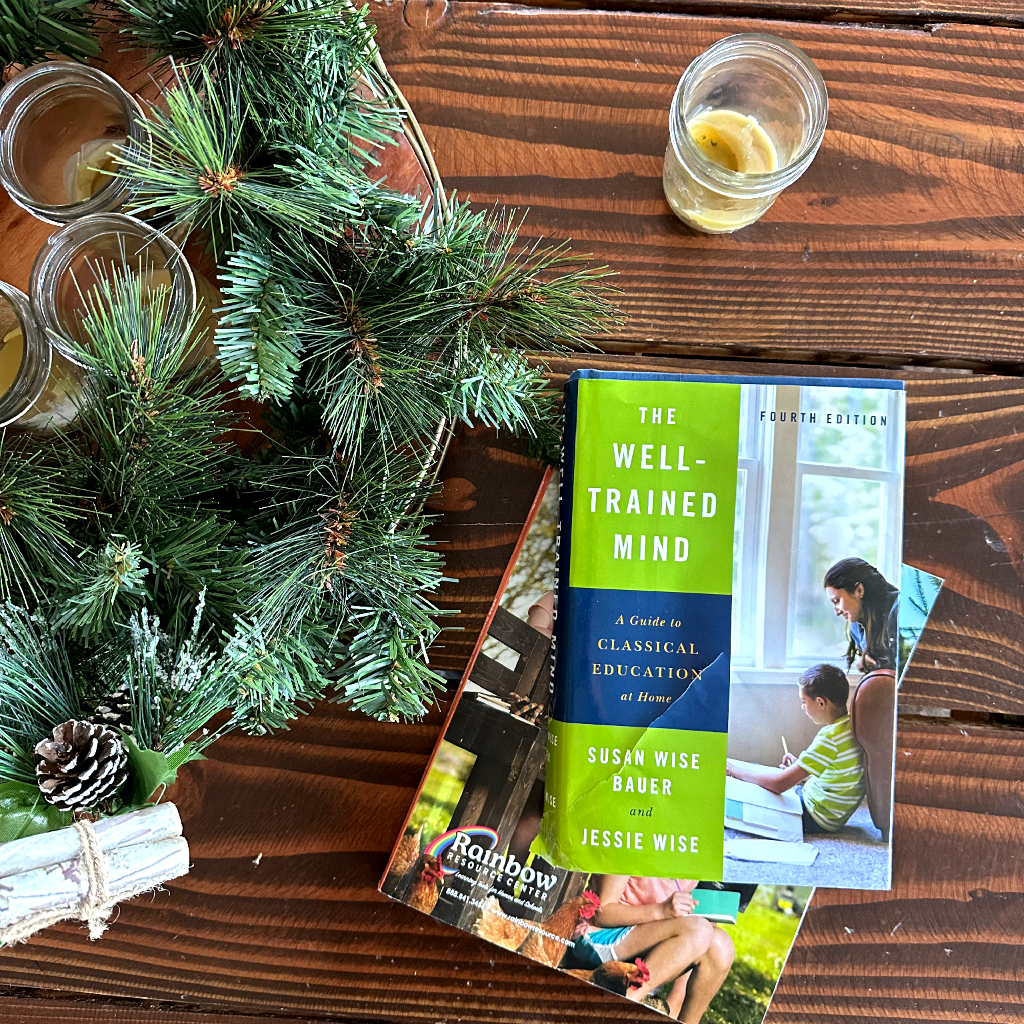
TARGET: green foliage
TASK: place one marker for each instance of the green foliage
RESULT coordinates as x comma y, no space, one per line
743,997
23,812
34,30
36,509
214,587
254,337
151,771
296,65
345,560
151,464
112,579
38,690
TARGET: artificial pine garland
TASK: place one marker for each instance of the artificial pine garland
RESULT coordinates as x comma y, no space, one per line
163,581
32,29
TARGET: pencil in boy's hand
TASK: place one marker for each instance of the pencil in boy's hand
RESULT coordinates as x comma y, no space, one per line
787,757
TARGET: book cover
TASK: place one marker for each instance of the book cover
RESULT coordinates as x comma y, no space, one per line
700,629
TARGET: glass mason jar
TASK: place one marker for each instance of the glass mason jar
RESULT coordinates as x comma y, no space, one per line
746,120
24,356
95,248
61,125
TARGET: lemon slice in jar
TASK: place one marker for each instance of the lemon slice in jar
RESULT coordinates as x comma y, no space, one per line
12,351
90,169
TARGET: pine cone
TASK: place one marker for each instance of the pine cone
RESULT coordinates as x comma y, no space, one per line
83,765
115,710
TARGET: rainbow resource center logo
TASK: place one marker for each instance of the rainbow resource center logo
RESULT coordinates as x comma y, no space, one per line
473,843
475,849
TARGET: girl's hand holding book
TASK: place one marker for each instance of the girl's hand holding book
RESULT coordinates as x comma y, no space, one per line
679,904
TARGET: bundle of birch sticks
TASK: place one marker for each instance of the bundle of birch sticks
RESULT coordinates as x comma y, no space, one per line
81,872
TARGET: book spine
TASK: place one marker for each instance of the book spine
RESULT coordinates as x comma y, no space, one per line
636,747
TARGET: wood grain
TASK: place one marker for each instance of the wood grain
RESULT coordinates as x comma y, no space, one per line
903,243
897,12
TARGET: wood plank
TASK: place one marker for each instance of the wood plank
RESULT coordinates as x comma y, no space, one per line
901,12
901,244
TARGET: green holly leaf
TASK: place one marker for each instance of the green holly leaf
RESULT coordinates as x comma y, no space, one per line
149,771
24,812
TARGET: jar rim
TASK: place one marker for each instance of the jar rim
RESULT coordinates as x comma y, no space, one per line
54,261
36,359
738,184
15,104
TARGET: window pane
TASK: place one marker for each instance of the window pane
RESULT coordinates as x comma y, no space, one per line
839,517
857,439
741,643
753,398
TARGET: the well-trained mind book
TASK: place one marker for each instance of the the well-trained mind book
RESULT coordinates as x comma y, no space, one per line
726,628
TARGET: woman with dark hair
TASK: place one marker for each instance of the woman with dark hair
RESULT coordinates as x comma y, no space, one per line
869,602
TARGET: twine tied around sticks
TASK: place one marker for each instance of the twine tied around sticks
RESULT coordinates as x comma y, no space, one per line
94,908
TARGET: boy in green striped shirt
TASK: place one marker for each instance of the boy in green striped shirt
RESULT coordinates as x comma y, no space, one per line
831,768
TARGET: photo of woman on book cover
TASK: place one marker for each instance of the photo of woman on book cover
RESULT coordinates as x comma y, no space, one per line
840,781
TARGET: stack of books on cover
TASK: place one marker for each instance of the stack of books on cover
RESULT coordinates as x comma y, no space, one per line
686,721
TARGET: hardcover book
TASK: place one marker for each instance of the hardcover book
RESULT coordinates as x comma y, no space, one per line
726,630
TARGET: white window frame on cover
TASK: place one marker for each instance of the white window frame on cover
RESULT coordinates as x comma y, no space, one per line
774,485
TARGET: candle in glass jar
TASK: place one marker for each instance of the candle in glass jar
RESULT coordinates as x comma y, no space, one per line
101,248
25,357
12,351
62,126
734,141
69,145
746,121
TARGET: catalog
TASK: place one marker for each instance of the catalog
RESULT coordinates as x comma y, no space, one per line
727,629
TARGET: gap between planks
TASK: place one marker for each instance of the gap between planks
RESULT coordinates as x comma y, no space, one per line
1001,13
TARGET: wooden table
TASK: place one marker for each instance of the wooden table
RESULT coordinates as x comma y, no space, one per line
903,248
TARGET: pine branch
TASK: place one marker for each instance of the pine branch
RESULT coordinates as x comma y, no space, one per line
178,690
348,564
37,509
108,583
304,69
255,338
151,424
37,690
37,30
271,677
150,452
209,166
403,329
384,674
